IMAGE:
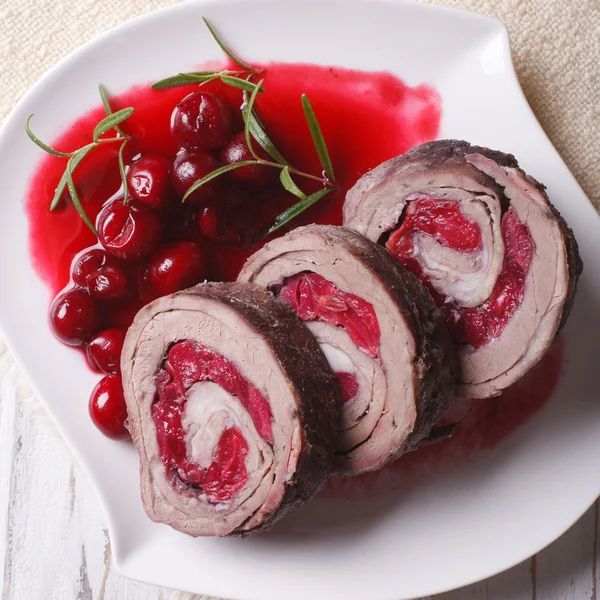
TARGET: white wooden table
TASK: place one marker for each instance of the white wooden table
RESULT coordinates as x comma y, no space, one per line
54,544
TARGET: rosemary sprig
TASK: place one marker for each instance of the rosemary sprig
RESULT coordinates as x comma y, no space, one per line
112,120
254,131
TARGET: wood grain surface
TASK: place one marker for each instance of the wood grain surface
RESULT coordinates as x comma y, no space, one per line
54,544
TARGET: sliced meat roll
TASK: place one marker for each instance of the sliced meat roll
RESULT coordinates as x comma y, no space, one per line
232,408
379,329
484,237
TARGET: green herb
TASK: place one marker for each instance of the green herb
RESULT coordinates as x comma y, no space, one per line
317,136
234,58
111,121
291,213
289,185
254,131
200,182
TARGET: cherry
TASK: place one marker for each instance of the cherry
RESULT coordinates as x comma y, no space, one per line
130,231
101,275
230,220
74,317
176,266
202,119
189,166
104,350
108,409
148,180
253,176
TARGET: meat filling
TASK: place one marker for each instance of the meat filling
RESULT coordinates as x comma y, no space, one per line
219,469
442,221
314,298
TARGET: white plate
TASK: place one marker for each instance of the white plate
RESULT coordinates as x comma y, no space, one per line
481,518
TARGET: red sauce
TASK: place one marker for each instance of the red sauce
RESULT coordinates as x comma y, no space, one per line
314,298
489,423
366,118
443,220
348,385
188,363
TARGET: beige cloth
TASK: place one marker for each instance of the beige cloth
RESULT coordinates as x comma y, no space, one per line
555,44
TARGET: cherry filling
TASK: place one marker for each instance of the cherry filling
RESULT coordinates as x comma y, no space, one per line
348,385
314,298
442,219
188,363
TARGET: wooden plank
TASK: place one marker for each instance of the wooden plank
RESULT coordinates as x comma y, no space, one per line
566,569
8,409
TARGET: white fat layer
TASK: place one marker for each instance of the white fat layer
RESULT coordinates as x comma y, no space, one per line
207,414
338,360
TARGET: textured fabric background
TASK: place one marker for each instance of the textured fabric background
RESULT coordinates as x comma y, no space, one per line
555,44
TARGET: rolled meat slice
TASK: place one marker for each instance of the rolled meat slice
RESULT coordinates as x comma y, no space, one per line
232,408
483,236
379,329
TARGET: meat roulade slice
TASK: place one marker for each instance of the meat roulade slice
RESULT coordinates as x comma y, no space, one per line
232,408
379,329
484,237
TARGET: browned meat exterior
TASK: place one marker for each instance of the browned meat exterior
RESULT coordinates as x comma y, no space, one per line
378,327
516,227
282,421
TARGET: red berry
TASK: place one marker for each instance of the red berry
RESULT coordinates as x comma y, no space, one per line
108,409
148,180
101,274
104,350
189,166
230,220
108,283
74,317
254,176
86,264
176,266
130,231
202,119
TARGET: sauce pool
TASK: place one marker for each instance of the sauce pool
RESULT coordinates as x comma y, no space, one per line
366,118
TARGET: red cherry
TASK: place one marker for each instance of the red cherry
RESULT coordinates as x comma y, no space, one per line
231,220
86,264
108,409
74,317
108,283
101,275
148,180
104,350
202,119
130,231
189,166
176,266
254,176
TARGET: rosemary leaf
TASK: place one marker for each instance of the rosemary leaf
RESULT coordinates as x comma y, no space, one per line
71,166
289,185
77,202
123,173
242,84
110,121
246,112
185,79
216,173
41,144
107,108
318,139
234,58
258,132
291,213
